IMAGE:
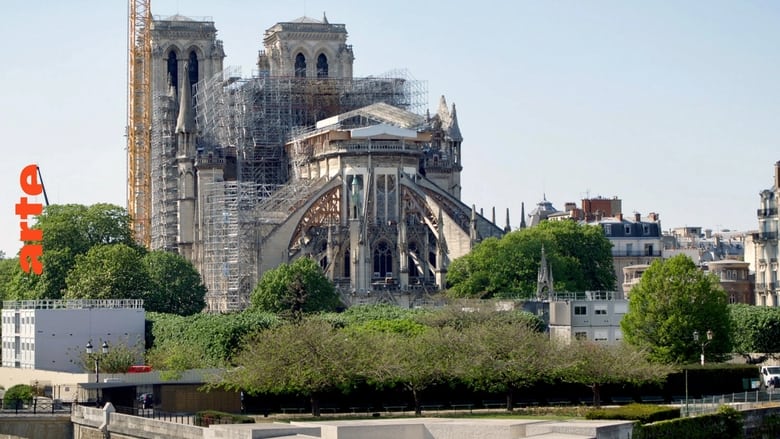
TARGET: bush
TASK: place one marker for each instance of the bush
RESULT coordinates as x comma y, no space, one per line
19,392
644,413
726,424
207,417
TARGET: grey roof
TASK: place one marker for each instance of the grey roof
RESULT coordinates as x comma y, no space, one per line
385,113
306,19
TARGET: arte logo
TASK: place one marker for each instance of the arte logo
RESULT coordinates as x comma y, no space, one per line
30,255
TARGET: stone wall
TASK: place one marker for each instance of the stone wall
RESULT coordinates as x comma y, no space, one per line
39,427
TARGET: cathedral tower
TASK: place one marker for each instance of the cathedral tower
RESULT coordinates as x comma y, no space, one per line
306,48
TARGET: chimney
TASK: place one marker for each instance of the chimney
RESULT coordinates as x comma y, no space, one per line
619,217
653,216
637,217
777,175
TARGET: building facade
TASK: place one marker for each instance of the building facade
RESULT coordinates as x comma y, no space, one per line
52,334
303,159
635,241
765,245
593,316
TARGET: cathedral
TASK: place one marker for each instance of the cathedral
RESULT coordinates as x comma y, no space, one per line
303,160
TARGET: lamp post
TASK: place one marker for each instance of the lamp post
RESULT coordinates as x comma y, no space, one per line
96,357
704,343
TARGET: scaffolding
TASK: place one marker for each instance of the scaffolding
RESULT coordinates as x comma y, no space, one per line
229,257
164,221
248,121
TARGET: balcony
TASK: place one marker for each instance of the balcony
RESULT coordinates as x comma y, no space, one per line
636,253
765,236
763,213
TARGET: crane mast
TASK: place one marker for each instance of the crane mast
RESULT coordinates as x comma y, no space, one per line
139,119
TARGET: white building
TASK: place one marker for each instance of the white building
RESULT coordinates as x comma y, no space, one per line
52,334
765,246
593,316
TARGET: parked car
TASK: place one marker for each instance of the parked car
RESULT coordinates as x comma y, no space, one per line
770,376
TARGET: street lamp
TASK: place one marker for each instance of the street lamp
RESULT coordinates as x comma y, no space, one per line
96,357
704,343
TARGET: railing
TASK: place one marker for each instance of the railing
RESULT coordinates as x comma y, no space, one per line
740,401
36,406
763,213
186,418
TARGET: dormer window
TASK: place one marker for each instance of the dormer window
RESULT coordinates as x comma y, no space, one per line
322,66
300,66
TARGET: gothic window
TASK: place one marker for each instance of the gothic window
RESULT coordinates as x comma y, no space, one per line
383,260
347,263
322,66
173,69
300,66
385,198
193,72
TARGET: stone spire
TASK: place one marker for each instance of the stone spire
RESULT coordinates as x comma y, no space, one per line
544,281
185,123
507,227
522,216
473,226
444,113
453,130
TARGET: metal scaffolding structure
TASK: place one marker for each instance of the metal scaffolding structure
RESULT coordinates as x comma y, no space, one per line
229,255
248,121
164,221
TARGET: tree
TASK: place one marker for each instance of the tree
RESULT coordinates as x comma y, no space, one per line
8,270
580,257
415,362
506,357
594,365
307,359
108,272
69,230
176,287
756,330
294,289
671,301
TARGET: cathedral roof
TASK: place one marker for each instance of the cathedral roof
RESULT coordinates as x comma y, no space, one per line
380,112
306,19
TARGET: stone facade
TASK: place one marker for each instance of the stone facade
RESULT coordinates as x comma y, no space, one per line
302,160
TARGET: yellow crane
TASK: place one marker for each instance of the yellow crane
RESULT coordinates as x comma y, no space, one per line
139,119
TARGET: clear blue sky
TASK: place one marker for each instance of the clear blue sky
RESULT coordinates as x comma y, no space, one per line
670,105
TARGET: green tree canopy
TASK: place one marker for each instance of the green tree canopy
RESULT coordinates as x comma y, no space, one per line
294,289
594,364
305,359
755,330
580,257
499,356
69,230
108,272
175,286
671,301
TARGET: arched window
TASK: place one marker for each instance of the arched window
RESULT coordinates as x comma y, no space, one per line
322,66
300,66
173,69
347,263
193,72
383,260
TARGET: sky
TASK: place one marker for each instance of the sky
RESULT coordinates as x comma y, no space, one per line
671,106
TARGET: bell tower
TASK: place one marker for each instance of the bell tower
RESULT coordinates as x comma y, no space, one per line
306,48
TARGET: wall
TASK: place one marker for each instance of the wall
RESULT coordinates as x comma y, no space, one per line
38,427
